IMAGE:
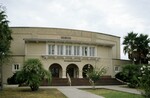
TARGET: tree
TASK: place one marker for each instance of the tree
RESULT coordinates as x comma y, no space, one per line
129,45
5,40
33,73
95,74
142,42
137,47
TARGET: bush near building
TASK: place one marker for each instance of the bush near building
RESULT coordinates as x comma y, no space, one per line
129,74
33,73
136,76
144,80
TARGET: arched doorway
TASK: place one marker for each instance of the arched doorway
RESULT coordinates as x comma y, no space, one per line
86,68
72,70
56,70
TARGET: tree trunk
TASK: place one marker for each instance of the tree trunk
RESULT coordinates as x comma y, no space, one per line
93,85
1,71
34,87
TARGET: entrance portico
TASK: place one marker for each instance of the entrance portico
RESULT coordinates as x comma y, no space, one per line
73,70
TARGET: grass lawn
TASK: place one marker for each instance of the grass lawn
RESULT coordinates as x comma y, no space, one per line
112,93
27,93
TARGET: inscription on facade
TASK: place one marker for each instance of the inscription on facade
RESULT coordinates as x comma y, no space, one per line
71,60
65,37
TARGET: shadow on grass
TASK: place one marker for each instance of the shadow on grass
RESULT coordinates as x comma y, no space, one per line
29,90
26,90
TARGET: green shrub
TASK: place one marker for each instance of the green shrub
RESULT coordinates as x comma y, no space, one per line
129,74
95,75
144,80
33,73
121,76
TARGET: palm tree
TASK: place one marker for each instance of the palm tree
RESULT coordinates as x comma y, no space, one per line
5,40
142,42
129,45
137,47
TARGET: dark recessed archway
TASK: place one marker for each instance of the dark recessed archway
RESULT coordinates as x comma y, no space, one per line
72,70
56,70
86,68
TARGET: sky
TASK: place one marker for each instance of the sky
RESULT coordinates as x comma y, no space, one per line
115,17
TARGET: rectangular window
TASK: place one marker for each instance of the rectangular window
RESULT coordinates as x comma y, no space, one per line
76,50
71,50
60,49
116,68
68,50
84,51
15,67
92,51
51,49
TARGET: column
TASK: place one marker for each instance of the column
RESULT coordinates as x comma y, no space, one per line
80,74
64,49
72,50
55,50
64,74
95,51
88,51
80,50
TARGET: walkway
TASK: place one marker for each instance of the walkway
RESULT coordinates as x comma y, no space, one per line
122,88
72,92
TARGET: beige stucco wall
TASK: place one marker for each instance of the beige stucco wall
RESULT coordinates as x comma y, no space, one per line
22,51
119,63
104,52
53,33
7,67
35,48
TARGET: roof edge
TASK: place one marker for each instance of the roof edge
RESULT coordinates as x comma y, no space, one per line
65,29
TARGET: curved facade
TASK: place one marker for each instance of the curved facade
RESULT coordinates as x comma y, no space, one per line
64,51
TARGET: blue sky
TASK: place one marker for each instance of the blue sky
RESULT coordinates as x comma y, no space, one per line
115,17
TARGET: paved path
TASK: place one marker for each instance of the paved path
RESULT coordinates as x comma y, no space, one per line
122,88
72,92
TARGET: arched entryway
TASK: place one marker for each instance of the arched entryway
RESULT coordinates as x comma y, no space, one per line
72,70
56,70
86,68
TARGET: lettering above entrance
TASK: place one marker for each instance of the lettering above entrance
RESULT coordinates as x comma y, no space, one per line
72,60
65,37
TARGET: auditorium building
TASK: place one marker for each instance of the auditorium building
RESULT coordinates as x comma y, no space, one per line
64,51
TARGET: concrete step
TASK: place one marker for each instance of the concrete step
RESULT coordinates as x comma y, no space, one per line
105,80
